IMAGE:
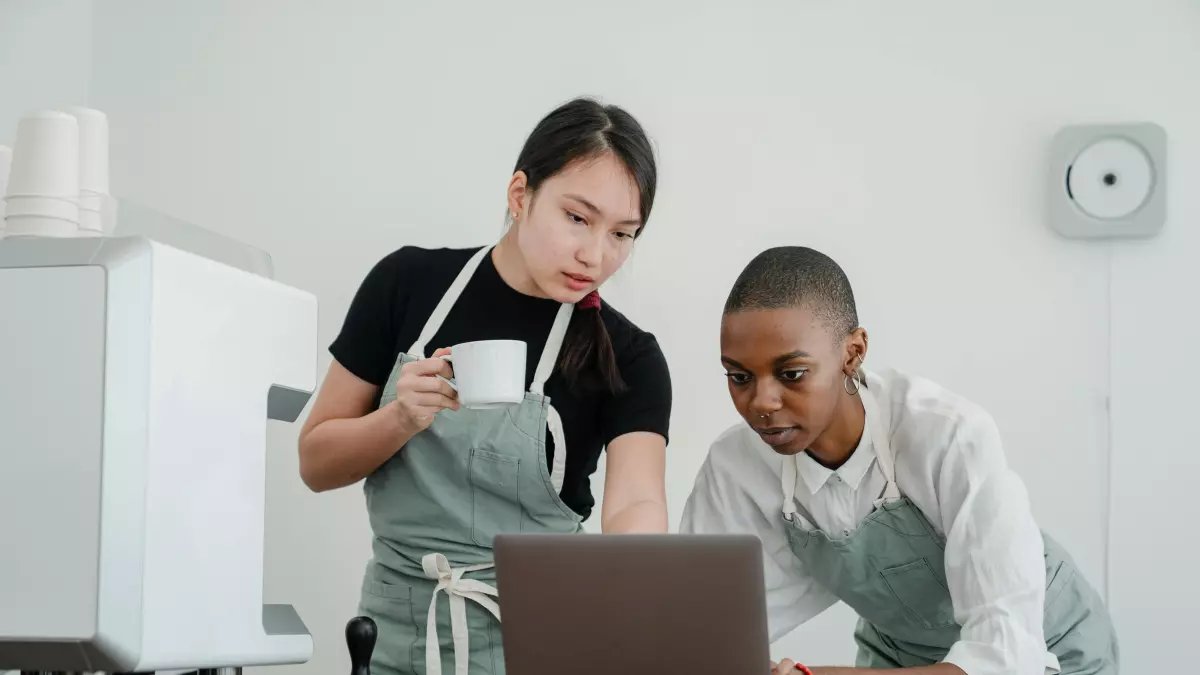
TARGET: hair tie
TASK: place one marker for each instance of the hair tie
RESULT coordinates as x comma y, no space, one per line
590,301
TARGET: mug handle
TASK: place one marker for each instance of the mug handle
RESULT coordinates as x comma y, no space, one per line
448,358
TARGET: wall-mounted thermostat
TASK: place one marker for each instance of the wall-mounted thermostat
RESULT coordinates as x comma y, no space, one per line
1109,181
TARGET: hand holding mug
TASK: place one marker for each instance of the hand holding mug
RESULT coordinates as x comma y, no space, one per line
421,394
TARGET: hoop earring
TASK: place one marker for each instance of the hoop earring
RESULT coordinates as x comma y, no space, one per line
853,377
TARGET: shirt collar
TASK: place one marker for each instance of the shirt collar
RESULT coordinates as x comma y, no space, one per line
852,472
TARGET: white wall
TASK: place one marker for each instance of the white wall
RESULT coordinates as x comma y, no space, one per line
45,50
1155,534
905,139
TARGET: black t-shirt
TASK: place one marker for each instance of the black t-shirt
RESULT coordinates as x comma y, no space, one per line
400,293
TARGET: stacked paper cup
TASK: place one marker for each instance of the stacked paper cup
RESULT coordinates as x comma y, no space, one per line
5,163
58,182
93,170
42,198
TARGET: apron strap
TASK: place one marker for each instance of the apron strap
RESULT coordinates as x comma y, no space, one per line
545,367
434,324
554,342
789,477
882,445
791,508
558,472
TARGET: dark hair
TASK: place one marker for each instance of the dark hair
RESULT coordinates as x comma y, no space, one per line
579,130
794,276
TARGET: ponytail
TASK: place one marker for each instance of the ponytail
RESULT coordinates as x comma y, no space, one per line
588,360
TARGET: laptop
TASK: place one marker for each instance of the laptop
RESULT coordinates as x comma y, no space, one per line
591,604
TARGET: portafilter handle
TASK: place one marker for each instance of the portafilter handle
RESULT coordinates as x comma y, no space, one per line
361,633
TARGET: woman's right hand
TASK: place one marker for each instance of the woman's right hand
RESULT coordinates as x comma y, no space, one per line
421,394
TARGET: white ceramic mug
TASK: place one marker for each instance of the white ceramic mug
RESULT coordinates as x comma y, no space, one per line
488,373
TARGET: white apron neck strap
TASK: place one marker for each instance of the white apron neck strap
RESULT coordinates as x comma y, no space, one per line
545,367
434,324
558,471
789,476
553,346
880,440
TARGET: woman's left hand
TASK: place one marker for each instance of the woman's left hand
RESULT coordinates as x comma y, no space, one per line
785,667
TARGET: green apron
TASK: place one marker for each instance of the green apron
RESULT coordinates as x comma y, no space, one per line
436,506
891,571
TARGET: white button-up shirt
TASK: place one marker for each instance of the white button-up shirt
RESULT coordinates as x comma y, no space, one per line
951,465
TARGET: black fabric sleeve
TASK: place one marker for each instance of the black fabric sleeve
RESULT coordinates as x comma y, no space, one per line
366,345
646,404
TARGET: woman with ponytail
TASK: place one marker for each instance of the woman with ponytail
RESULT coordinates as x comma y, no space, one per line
442,481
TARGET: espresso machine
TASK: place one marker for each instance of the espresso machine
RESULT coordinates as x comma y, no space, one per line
137,377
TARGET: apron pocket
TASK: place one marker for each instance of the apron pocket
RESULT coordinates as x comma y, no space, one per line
919,590
495,500
387,591
390,606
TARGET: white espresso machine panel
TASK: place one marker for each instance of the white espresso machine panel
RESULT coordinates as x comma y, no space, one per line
136,384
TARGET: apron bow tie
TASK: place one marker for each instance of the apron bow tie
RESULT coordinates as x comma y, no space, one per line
459,590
